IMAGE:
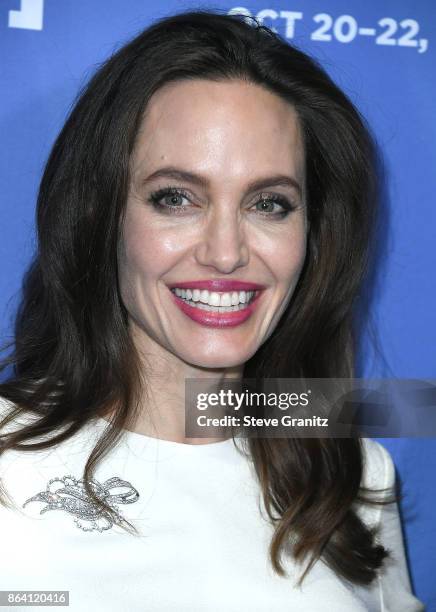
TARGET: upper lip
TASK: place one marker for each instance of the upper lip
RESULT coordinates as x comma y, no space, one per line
218,285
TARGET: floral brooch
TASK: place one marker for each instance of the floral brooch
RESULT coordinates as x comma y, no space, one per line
69,494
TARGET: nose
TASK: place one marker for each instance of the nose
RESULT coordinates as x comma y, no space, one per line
222,244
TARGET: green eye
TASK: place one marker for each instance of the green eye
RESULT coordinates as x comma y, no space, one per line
173,193
267,203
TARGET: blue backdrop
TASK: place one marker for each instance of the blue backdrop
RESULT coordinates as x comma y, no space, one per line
380,53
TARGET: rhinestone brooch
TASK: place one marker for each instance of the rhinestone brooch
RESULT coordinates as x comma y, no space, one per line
69,494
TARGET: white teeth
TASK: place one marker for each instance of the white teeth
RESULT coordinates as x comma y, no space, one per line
216,308
214,299
225,300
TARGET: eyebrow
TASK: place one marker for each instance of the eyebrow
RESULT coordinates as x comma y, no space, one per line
200,181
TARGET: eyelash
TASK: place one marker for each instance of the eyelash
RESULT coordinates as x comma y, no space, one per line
156,196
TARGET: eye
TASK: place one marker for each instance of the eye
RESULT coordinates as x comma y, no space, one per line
173,204
170,200
268,201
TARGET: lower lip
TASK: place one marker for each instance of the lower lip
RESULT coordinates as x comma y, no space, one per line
217,319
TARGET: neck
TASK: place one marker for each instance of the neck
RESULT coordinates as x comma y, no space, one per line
162,407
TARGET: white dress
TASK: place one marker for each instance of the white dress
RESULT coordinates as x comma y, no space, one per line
203,544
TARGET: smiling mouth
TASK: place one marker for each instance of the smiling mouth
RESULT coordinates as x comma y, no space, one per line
231,301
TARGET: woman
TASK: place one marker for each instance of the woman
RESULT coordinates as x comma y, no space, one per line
207,166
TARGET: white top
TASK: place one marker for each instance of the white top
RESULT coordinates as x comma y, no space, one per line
203,544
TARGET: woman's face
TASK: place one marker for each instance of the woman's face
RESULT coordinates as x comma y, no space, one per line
214,224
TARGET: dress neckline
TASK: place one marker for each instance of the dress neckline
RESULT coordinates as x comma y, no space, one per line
142,441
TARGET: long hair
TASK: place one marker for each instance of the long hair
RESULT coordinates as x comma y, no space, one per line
72,355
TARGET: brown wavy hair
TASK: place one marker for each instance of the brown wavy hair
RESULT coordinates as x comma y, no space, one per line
72,356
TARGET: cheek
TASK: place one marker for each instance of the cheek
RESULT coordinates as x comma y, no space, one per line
133,256
135,261
285,257
145,251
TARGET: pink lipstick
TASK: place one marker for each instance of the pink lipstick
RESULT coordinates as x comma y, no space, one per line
215,318
218,285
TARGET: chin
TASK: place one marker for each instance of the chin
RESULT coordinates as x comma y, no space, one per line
220,361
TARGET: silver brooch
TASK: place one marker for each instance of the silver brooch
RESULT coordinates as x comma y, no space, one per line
68,493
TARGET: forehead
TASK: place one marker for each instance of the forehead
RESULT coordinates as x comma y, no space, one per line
230,128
